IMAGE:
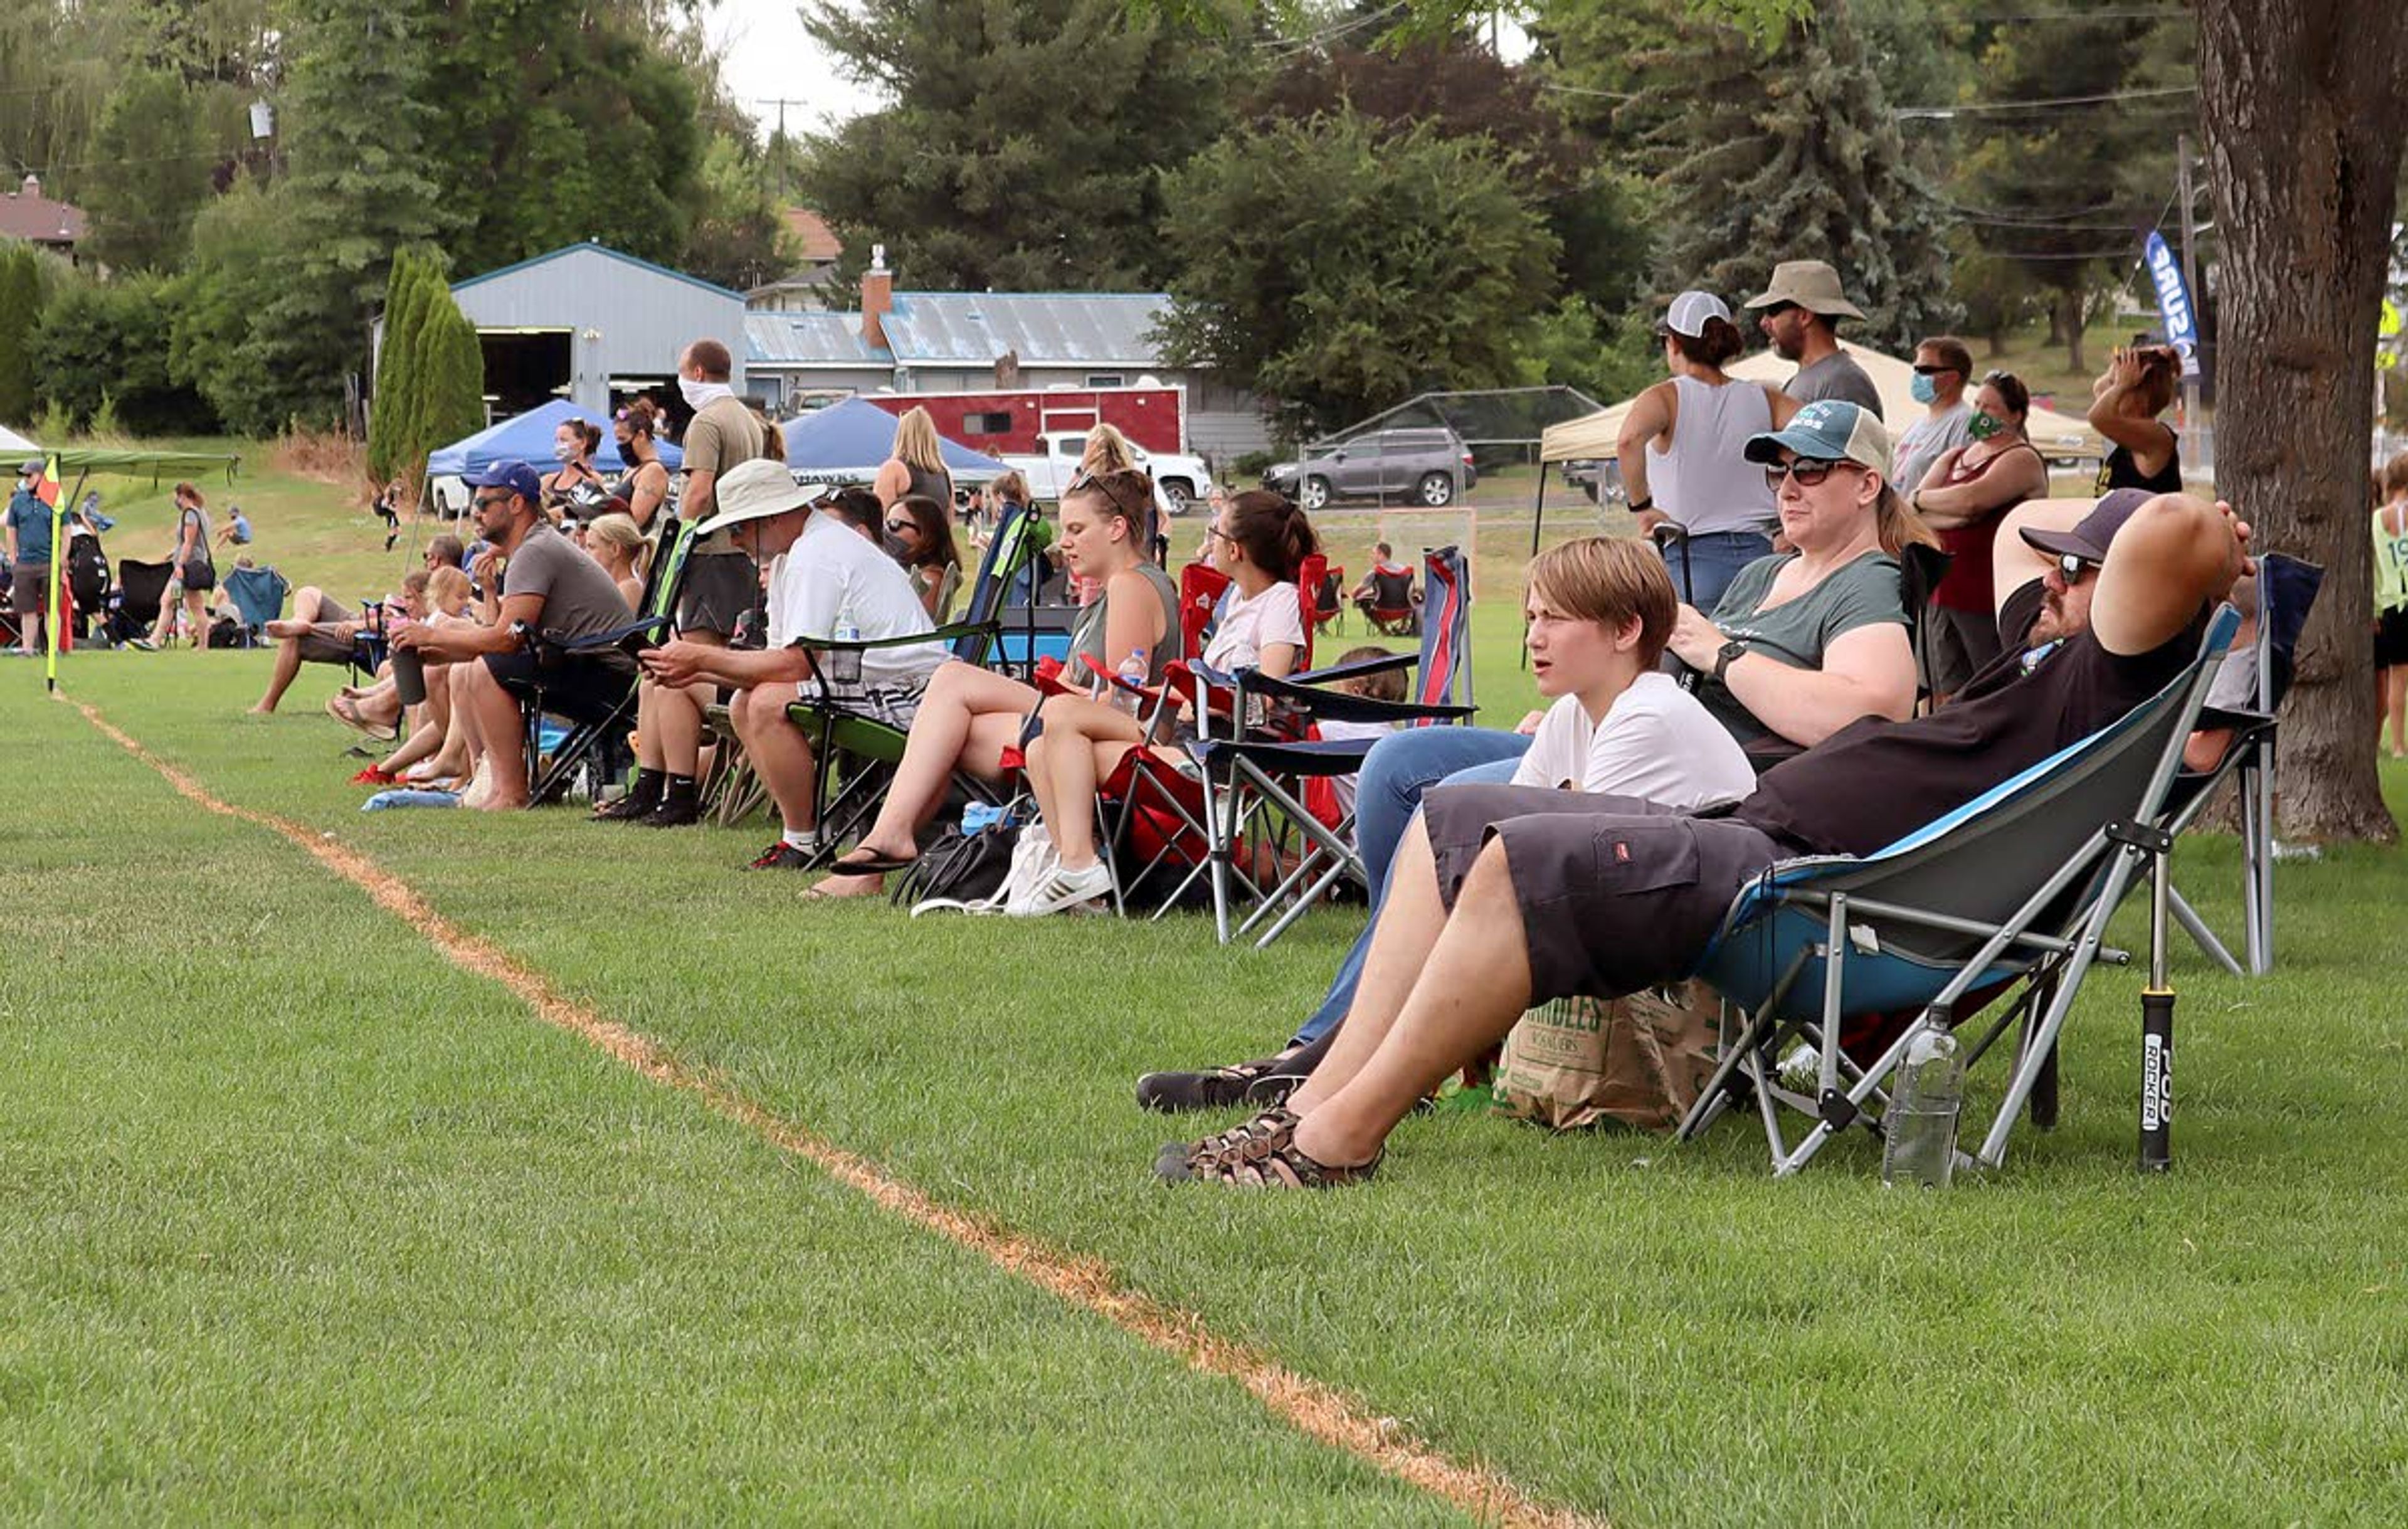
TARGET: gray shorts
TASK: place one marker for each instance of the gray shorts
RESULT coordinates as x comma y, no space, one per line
720,586
893,705
29,588
1616,894
325,643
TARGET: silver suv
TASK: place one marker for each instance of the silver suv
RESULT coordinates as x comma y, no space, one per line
1426,466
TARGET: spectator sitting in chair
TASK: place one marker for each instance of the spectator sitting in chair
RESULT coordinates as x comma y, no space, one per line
549,590
834,576
1387,594
323,629
1503,897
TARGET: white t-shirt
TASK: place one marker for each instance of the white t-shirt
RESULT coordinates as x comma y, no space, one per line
1247,627
1655,742
834,577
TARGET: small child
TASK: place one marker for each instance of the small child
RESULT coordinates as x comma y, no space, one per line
1388,684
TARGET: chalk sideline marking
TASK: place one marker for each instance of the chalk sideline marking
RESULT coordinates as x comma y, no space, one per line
1321,1412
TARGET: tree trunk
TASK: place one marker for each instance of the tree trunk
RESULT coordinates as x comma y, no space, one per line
2069,325
2301,102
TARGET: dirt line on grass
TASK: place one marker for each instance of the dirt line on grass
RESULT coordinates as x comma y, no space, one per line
1319,1411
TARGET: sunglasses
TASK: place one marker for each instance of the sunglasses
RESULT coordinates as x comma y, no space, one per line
1990,377
1774,310
1923,370
2073,568
486,501
1810,471
1087,481
901,527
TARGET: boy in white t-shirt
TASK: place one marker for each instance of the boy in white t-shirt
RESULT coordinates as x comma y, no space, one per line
834,576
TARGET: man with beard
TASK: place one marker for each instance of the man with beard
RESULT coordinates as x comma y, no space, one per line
1801,308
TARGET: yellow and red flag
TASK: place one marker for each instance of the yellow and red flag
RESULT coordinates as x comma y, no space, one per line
48,489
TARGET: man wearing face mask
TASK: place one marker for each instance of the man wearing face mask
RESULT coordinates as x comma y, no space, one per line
1942,365
721,584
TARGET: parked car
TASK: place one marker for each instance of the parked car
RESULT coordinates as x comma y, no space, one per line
1427,465
1176,478
1598,476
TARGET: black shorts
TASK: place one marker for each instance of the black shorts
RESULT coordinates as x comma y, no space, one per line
719,587
584,688
1616,894
2391,638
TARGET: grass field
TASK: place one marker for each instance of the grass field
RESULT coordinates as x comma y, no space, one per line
301,1221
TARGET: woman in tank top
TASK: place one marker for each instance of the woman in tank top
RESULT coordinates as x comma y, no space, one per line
2143,451
645,485
917,467
1963,497
970,716
1680,450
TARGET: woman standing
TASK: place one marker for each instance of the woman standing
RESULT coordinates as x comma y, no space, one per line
194,575
1963,497
2143,451
1680,450
917,467
2391,598
920,539
645,485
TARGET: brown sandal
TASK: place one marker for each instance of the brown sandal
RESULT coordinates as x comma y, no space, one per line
1262,1154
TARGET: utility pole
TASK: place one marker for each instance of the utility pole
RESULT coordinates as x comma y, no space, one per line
780,143
2185,190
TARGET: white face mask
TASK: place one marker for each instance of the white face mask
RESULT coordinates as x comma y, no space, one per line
700,396
563,450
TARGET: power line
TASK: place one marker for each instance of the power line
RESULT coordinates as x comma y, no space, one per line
2045,102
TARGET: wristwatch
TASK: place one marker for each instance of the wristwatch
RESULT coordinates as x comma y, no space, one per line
1724,657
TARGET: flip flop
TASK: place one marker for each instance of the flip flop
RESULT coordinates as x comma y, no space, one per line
877,865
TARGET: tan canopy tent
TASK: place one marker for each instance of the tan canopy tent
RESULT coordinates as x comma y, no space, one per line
2057,436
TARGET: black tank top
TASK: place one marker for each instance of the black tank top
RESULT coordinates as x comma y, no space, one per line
2118,471
936,485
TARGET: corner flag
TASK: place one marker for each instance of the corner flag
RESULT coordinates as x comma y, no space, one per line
47,489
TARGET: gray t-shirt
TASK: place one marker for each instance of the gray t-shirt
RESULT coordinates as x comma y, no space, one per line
1797,632
1088,633
579,598
1926,440
1835,376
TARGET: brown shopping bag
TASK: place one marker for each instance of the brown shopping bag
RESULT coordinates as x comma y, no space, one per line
1640,1061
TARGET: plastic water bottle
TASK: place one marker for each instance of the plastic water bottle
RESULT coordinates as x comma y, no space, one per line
844,664
1133,671
1919,1132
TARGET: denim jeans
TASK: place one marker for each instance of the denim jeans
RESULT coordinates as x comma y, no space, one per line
1705,567
1396,773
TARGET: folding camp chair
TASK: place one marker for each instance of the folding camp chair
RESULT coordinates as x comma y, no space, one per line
1329,603
863,751
2015,888
258,594
140,587
2286,590
1393,608
595,743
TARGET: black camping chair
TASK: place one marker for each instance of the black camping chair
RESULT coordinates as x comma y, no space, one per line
140,587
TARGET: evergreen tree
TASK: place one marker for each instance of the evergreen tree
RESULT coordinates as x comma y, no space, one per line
390,429
153,174
1790,155
456,396
21,305
1027,143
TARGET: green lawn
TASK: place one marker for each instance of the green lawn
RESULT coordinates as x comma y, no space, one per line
302,1223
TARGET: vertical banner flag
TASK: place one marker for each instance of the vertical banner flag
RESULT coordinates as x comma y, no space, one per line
47,489
2173,302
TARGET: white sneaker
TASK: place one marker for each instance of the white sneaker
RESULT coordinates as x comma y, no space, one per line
1064,889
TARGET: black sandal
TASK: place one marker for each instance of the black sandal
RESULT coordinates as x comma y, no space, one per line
1262,1154
1217,1088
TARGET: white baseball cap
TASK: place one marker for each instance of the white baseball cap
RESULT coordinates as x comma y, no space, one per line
1691,309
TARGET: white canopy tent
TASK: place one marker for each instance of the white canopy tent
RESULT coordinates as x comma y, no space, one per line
15,449
2057,436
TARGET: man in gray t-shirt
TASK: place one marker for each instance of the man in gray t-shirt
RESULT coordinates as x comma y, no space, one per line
1800,309
550,590
1942,369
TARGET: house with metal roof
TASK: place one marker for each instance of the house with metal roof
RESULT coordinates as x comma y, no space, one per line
41,221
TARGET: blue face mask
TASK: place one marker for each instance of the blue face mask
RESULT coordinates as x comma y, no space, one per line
1924,388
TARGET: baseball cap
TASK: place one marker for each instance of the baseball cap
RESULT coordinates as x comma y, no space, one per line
2091,536
1828,430
32,468
517,477
756,490
1691,309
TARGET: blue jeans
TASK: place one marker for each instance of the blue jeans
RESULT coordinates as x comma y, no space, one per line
1388,793
1702,570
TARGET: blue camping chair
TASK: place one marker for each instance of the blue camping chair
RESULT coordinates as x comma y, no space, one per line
258,594
2015,887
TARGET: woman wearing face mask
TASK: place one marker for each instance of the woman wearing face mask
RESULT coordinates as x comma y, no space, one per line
645,485
919,538
1963,497
573,445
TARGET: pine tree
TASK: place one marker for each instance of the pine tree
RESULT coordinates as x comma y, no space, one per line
456,399
1791,156
389,410
21,304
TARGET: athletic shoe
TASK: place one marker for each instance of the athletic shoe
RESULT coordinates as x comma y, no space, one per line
142,643
783,855
374,775
672,814
1064,889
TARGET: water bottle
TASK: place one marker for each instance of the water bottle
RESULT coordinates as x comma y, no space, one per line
844,664
1133,671
1919,1132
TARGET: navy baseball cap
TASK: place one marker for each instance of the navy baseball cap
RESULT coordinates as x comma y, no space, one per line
2090,536
1828,430
517,477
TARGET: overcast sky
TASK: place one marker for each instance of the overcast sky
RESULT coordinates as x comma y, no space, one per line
768,54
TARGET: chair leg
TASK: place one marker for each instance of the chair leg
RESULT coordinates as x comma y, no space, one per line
2199,933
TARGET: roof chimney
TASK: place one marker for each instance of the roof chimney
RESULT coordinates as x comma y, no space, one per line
877,298
32,186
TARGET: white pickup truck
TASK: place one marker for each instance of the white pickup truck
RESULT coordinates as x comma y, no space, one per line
1176,479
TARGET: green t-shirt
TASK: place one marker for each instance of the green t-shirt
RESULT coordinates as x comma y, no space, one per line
1797,632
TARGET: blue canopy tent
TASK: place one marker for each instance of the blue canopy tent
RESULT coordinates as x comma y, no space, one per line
528,438
849,440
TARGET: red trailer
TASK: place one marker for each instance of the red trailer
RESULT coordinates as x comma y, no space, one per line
999,420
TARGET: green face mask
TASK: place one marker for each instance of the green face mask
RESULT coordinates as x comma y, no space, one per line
1981,426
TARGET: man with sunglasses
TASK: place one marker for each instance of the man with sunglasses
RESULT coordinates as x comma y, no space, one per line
1942,365
1501,898
1800,310
550,589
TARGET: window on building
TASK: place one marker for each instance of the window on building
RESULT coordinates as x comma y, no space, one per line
1104,379
998,422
